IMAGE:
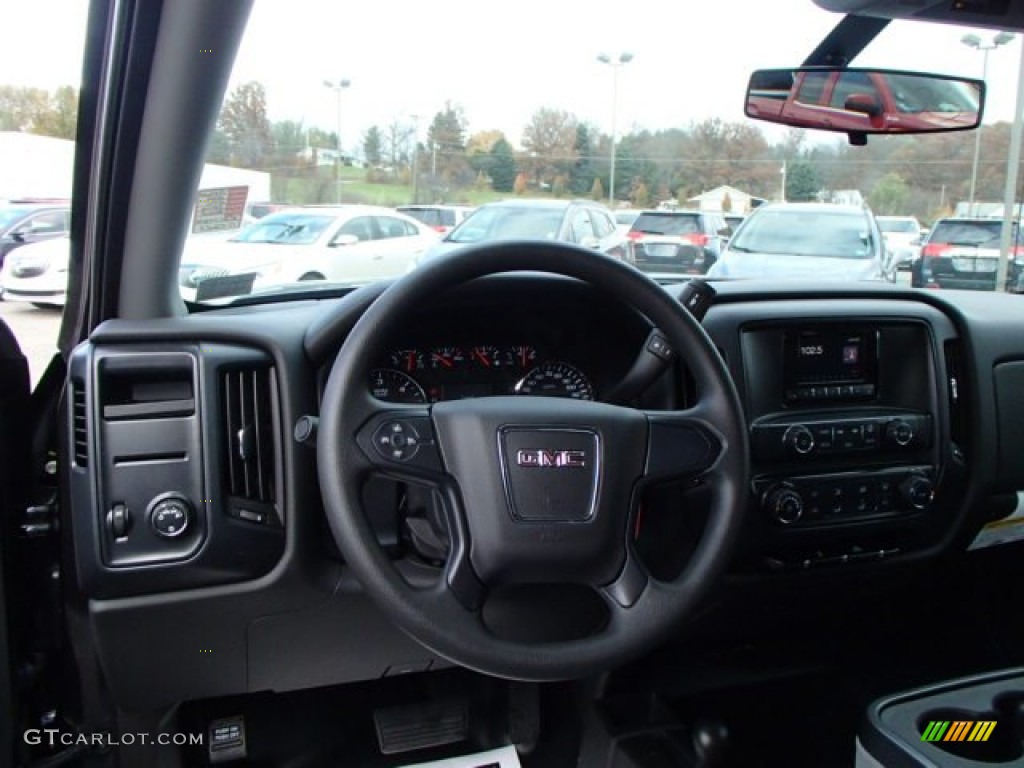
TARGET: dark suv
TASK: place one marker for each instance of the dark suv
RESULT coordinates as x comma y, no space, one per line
964,253
686,242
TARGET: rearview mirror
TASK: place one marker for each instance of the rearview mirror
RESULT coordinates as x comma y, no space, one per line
865,101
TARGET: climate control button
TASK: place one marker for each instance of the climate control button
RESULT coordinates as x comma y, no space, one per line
784,505
899,432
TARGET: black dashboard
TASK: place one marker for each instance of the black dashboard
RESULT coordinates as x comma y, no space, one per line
881,424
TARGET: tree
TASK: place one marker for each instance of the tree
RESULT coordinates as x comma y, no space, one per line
479,148
21,108
889,195
446,142
597,189
802,182
503,166
289,138
581,175
243,119
520,186
60,118
549,139
372,144
395,142
640,196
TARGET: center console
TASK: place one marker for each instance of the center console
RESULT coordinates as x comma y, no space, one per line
845,422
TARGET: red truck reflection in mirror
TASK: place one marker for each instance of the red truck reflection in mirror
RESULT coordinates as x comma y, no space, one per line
865,101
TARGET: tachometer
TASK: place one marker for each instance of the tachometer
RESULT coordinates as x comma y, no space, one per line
395,387
556,380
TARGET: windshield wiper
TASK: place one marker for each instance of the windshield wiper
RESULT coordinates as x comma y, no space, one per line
740,248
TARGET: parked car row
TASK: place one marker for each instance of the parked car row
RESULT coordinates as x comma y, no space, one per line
355,244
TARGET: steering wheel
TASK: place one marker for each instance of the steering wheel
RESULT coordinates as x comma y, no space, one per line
534,489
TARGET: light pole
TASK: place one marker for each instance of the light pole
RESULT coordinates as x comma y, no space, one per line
415,159
338,86
973,41
623,58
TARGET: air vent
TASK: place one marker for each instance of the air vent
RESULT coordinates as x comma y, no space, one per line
955,385
249,396
80,423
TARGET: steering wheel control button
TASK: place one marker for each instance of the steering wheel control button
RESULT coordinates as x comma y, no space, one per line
397,440
171,517
401,439
550,475
659,347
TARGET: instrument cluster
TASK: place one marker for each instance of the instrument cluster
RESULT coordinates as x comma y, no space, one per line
452,372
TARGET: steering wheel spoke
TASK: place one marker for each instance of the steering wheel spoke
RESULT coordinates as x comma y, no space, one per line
682,444
629,585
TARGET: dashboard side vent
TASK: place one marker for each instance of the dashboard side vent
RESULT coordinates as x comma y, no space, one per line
80,423
955,391
249,397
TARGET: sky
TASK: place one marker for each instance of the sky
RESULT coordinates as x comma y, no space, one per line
502,61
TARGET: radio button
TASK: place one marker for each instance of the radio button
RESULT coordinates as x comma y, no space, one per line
854,437
823,438
871,434
799,439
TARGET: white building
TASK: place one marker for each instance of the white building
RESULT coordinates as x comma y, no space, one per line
42,167
727,200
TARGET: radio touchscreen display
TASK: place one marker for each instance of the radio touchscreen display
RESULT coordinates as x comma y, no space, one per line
828,364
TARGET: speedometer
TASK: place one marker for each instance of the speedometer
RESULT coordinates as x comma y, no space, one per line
395,387
556,380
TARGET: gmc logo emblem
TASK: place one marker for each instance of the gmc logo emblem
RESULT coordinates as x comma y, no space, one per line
557,459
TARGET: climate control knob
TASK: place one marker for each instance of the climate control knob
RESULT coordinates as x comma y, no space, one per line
799,439
917,492
784,505
899,432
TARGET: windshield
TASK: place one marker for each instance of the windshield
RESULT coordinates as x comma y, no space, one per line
823,234
917,94
285,229
10,215
969,233
667,224
898,226
582,146
508,223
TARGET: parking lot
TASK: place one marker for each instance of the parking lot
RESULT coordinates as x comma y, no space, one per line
36,331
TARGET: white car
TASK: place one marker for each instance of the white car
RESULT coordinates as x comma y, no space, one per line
903,236
345,244
37,273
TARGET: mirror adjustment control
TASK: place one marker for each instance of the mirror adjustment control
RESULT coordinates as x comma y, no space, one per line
170,517
799,439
